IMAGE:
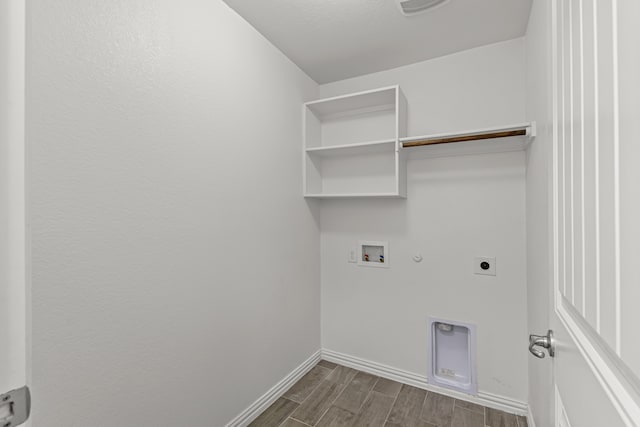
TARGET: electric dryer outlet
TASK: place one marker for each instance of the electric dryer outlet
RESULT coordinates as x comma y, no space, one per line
484,265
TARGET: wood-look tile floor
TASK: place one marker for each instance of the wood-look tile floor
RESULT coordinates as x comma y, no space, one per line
331,395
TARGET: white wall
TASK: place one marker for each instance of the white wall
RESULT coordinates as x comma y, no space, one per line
13,323
539,275
175,263
457,208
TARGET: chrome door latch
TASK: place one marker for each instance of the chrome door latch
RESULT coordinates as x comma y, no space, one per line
544,341
15,407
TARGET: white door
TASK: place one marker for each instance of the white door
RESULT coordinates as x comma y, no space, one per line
12,200
596,212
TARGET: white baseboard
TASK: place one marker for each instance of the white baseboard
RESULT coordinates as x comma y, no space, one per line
264,401
483,398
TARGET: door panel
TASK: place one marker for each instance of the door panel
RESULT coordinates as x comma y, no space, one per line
12,212
629,175
594,240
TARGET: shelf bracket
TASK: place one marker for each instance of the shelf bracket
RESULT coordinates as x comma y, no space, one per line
532,130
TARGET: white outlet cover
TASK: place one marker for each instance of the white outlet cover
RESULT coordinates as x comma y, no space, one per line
477,266
353,258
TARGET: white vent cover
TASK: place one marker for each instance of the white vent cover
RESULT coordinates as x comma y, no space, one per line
411,7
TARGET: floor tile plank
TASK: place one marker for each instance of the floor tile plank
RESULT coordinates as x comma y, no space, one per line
356,392
290,422
388,387
466,418
374,411
275,414
336,417
469,406
341,375
522,421
496,418
305,386
407,407
438,409
313,408
412,423
327,364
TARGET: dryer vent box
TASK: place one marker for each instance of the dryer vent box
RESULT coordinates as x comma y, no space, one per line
452,348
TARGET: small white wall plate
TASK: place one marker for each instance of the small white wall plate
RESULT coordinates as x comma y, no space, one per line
353,255
484,265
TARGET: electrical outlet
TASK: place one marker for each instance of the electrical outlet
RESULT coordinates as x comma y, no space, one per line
484,265
353,257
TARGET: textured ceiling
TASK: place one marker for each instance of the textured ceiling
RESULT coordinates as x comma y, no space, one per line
337,39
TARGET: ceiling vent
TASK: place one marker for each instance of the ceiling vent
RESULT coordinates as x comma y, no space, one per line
412,7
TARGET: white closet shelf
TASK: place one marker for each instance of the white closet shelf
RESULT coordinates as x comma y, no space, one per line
351,147
477,141
353,103
354,195
373,164
381,146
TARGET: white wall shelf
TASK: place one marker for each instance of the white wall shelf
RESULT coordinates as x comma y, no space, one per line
353,195
355,145
352,145
369,100
385,145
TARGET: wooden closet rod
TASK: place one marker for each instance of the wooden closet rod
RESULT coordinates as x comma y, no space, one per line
463,138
